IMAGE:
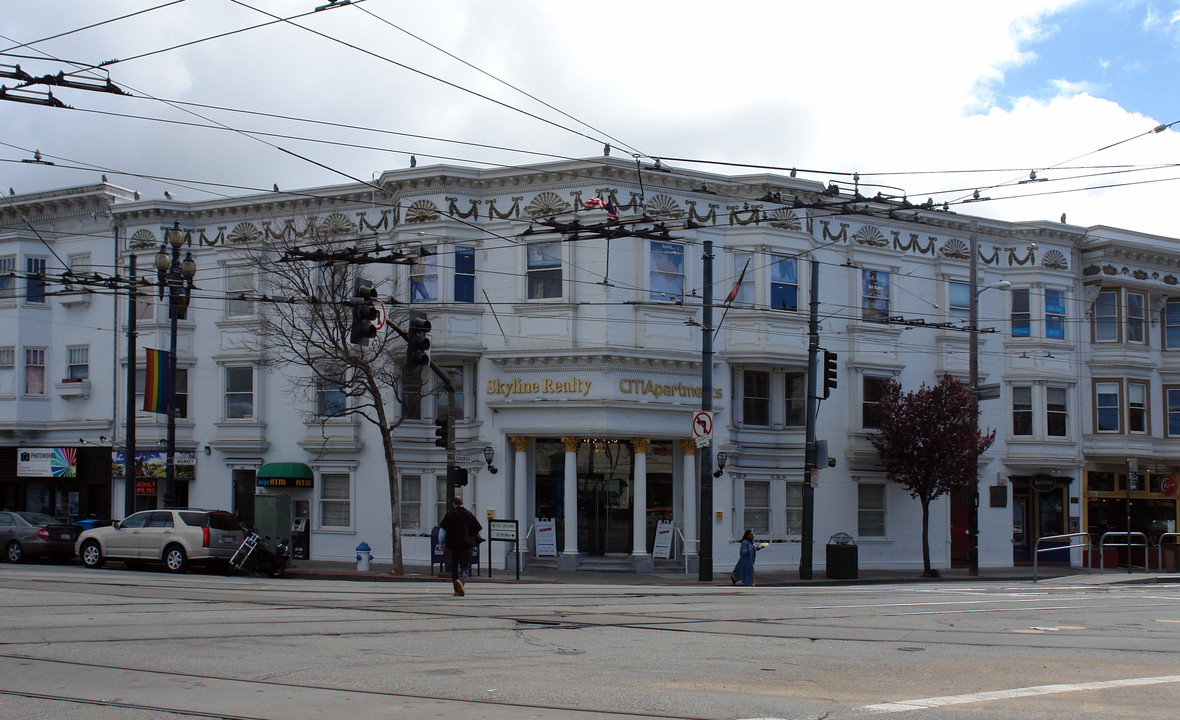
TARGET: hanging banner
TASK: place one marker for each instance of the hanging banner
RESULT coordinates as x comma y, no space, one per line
155,464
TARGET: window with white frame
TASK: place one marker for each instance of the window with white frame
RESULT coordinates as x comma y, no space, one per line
35,279
330,398
796,397
464,274
335,500
145,302
34,371
8,277
1136,407
958,302
1136,318
1172,325
458,378
1172,396
1106,316
756,511
756,398
8,370
239,288
743,278
543,267
411,504
441,500
784,283
1107,406
1021,317
1054,313
78,362
1056,412
666,280
794,509
1022,410
181,392
870,510
424,278
239,392
874,294
872,389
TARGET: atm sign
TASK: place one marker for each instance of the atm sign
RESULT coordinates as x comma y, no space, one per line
286,482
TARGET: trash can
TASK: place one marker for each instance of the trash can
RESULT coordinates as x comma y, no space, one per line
364,556
841,557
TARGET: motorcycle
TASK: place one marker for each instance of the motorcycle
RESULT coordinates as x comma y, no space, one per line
255,556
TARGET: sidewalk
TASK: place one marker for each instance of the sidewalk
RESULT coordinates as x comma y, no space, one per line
333,570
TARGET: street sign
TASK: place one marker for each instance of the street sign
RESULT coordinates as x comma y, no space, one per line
702,424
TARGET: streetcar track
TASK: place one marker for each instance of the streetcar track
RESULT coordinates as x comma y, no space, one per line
305,686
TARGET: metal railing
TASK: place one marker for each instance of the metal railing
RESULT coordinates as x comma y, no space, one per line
684,546
1037,549
1159,561
1102,544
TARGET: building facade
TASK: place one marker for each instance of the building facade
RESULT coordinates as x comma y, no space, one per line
577,358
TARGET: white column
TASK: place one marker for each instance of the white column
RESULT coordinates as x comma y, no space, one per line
520,490
571,495
639,497
689,484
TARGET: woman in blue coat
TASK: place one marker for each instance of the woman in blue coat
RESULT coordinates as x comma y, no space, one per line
744,570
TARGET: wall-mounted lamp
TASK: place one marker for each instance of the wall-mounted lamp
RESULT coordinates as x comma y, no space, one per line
722,458
489,454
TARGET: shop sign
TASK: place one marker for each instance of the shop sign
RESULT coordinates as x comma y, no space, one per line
145,487
155,464
47,462
662,548
282,482
1043,483
1168,485
546,538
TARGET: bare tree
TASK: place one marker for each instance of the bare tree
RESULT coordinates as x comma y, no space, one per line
307,312
928,443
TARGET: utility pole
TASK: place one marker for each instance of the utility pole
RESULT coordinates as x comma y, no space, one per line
705,560
973,380
129,444
810,462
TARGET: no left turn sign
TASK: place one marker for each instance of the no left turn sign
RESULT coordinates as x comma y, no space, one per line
702,424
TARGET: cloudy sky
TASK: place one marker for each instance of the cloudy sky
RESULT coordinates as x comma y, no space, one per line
930,99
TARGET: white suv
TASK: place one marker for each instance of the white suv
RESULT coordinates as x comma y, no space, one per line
176,537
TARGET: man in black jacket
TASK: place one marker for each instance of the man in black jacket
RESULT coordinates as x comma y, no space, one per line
462,528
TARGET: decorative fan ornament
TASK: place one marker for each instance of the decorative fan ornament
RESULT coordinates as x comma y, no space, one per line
422,211
871,236
244,233
956,248
336,224
546,203
664,206
143,239
1055,260
785,219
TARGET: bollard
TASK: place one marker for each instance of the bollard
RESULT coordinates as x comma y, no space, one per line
364,557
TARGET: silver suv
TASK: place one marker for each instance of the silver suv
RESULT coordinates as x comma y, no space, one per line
175,537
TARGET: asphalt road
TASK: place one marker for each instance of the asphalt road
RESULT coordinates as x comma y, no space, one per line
148,645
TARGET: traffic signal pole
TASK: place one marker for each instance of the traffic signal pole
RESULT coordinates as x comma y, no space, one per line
810,462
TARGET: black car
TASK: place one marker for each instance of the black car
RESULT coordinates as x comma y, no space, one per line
30,534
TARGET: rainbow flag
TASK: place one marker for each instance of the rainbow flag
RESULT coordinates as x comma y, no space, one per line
155,382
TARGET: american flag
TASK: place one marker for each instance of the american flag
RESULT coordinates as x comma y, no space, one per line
612,210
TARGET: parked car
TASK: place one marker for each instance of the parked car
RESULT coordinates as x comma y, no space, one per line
30,534
175,537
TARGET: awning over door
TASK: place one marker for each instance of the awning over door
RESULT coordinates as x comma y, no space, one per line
285,475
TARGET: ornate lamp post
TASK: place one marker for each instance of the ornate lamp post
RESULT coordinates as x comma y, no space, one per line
177,276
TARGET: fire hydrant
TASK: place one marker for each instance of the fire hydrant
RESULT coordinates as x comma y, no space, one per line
364,557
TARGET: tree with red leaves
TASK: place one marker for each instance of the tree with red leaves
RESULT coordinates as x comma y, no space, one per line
928,443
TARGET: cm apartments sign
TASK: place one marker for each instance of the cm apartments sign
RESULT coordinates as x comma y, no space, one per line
582,387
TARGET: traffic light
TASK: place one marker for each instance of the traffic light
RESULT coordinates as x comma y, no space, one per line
364,312
829,372
417,342
441,431
457,475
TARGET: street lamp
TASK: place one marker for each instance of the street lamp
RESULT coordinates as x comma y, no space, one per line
973,381
177,276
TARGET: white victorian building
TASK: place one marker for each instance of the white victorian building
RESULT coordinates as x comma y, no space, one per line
578,361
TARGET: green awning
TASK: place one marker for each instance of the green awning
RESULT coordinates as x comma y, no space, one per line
285,474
